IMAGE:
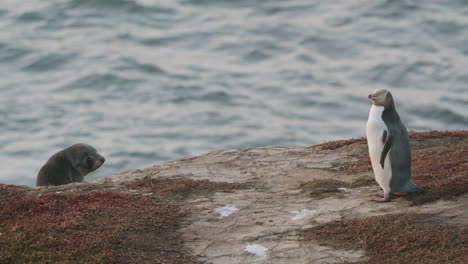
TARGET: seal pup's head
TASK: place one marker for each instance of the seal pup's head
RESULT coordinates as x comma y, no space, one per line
84,158
69,165
381,97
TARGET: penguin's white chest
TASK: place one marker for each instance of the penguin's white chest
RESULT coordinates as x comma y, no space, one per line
374,132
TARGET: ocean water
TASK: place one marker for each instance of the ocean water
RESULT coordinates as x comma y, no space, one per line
148,81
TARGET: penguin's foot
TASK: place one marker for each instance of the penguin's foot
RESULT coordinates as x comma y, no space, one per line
386,198
380,194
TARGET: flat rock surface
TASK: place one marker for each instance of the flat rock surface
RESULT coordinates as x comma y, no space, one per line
260,224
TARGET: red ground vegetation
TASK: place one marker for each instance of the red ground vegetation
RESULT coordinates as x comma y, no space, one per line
99,226
440,168
91,227
332,145
442,173
400,238
437,134
362,164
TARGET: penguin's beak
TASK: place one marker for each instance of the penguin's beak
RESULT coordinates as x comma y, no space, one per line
371,96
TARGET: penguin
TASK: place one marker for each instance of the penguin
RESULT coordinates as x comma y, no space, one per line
389,147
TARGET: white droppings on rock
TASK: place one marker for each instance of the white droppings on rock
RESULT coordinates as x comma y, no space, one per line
343,189
147,194
226,210
257,250
302,213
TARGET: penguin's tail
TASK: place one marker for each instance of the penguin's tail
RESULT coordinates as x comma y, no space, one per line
419,190
414,188
411,187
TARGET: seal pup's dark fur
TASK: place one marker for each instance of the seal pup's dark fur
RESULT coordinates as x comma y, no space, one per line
69,165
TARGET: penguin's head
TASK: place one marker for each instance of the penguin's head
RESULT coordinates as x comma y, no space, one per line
381,97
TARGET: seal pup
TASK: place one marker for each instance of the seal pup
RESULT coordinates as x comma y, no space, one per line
69,165
389,147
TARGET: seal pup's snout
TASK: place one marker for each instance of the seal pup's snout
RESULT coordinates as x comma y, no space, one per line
99,161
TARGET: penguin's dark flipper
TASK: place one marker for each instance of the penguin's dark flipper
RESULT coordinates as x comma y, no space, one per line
386,149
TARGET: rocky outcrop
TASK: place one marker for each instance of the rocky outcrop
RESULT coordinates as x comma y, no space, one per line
261,224
282,191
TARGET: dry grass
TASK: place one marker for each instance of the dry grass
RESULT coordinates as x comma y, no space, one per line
182,188
322,188
400,238
319,189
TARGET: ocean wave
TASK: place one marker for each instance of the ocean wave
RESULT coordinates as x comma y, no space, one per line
148,81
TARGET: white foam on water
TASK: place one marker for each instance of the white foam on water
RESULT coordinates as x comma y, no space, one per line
257,250
226,210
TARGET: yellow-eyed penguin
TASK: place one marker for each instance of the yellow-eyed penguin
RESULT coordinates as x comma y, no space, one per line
389,147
